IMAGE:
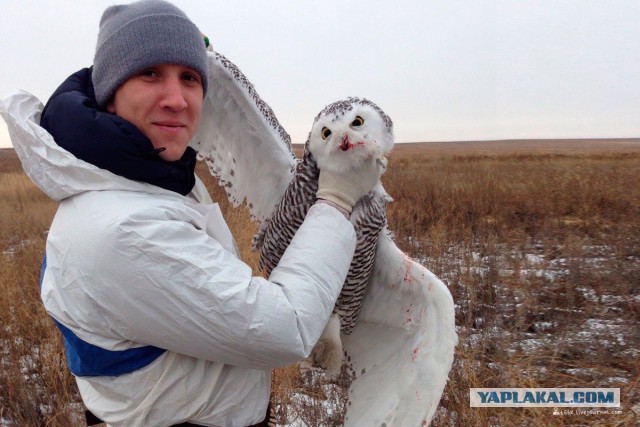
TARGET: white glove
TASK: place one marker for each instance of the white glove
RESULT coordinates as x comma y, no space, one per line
345,189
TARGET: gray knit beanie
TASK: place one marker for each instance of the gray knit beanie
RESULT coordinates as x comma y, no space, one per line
136,36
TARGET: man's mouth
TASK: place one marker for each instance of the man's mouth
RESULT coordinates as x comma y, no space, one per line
169,125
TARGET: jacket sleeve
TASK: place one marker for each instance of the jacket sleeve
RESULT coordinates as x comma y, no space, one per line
167,284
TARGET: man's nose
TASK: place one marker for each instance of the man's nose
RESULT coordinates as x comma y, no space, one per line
172,95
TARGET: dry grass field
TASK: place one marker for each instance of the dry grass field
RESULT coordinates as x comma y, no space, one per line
538,241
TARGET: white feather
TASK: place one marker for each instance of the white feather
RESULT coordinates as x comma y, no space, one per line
401,349
242,141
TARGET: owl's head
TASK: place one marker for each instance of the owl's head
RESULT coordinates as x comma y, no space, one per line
349,131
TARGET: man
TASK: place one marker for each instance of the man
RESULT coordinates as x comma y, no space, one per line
163,323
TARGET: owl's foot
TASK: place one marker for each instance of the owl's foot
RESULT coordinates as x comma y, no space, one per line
327,353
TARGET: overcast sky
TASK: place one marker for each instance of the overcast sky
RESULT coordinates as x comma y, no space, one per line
442,70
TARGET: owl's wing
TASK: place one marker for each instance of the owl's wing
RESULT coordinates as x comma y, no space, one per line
242,141
401,349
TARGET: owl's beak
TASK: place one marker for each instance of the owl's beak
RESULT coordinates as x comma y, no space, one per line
346,144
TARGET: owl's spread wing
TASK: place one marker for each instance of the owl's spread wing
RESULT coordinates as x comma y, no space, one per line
401,349
242,141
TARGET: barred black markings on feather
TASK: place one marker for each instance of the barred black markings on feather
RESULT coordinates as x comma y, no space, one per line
369,218
277,231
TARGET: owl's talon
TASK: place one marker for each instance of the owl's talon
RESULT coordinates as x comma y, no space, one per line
327,353
382,161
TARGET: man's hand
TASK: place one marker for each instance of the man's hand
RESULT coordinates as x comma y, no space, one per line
345,189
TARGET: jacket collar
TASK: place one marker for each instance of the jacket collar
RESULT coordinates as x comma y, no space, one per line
56,171
109,142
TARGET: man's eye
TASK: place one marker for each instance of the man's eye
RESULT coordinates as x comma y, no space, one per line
191,77
149,72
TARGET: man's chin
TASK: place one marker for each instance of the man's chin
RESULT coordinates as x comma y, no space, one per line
171,150
170,154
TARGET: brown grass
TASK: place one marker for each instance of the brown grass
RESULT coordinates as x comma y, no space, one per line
539,244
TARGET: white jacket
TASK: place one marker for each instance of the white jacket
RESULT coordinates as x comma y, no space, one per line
130,264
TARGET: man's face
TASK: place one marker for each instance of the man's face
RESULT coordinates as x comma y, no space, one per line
164,102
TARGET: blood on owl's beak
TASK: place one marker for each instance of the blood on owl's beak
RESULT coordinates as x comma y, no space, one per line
346,144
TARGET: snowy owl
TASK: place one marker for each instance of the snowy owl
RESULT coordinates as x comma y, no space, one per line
396,317
343,134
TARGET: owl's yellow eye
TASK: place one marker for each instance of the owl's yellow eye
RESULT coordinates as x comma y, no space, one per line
358,121
326,133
